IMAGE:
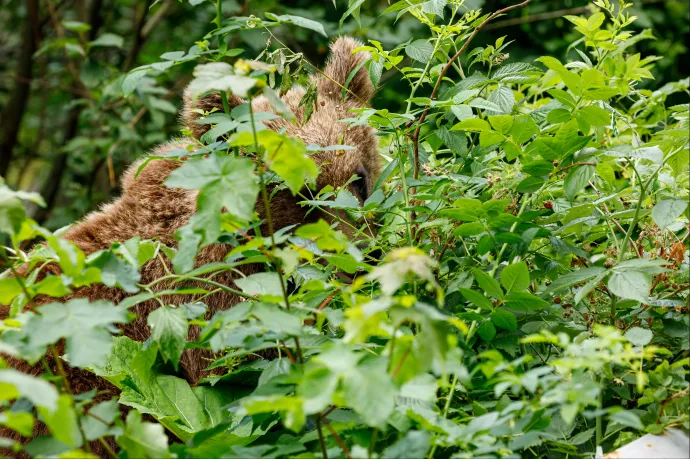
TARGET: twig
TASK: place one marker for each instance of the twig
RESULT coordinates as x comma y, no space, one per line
583,163
547,15
449,64
336,437
322,443
678,395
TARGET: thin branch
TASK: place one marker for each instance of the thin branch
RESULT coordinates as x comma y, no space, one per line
336,437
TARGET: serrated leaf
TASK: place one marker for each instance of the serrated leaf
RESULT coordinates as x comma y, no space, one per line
667,211
420,50
169,332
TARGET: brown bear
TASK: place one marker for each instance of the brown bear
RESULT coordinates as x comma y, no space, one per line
150,210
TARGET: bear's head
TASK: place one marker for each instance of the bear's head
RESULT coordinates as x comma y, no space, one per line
323,128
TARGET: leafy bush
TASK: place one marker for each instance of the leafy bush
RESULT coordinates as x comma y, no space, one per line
532,298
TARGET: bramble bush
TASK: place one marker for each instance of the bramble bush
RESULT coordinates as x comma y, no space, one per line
532,299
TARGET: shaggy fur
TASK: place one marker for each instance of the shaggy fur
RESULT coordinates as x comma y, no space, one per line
152,211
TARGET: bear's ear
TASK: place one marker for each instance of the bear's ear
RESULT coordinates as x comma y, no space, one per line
338,69
194,108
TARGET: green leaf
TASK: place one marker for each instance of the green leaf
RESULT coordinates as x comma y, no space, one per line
595,116
577,179
226,181
525,302
573,278
628,419
108,39
539,168
469,229
143,439
558,116
9,288
523,129
571,80
14,384
300,22
169,332
472,124
488,284
219,76
18,421
285,155
476,298
260,284
85,326
632,285
487,331
277,319
502,123
639,336
116,272
62,422
415,443
420,50
484,105
132,80
515,277
370,392
353,10
530,185
664,213
504,319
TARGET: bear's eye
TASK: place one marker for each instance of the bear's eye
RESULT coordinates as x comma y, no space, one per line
360,185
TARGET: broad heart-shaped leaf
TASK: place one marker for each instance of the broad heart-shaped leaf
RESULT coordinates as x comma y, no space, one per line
285,155
577,180
420,50
488,284
667,211
143,439
86,327
504,319
14,384
515,277
632,285
226,181
169,332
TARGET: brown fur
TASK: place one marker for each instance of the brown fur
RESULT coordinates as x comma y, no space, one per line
152,211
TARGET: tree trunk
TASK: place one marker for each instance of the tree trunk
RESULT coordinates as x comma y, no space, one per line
12,115
51,187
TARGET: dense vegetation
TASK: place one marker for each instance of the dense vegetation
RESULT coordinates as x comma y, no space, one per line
532,296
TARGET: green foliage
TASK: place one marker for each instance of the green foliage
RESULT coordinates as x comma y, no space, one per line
531,300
